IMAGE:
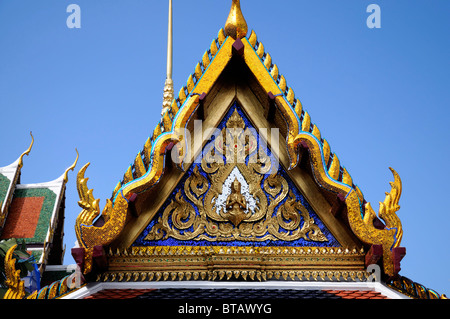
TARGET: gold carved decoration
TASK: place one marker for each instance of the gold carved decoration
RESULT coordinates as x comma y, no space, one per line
223,216
390,237
388,209
16,286
154,263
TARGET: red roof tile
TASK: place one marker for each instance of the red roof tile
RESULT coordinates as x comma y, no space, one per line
357,294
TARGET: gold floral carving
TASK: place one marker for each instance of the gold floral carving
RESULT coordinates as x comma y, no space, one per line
232,221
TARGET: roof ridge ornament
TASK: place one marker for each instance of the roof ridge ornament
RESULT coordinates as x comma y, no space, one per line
236,26
20,164
70,168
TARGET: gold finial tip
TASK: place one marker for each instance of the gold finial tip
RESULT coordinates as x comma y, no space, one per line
236,26
27,151
70,168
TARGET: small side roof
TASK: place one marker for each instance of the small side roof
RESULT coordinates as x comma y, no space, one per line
31,212
9,177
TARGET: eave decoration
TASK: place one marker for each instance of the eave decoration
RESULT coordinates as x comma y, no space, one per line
302,137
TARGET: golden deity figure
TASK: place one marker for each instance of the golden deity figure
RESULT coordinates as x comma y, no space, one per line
236,204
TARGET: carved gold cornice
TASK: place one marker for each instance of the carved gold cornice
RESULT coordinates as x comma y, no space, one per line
238,273
220,262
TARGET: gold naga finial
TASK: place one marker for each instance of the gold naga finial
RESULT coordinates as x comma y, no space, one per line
388,209
66,179
26,152
168,85
236,26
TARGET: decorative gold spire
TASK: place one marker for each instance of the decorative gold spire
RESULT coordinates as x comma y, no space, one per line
70,168
236,26
26,152
168,85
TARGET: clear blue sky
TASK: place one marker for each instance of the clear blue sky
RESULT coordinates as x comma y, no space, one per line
379,96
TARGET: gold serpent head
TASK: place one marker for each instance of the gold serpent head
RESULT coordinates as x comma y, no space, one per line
388,209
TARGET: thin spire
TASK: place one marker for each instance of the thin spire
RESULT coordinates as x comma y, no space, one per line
169,43
168,85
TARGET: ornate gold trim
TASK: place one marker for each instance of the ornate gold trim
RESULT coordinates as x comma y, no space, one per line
229,274
219,262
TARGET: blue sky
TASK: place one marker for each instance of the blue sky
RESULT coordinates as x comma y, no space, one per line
379,96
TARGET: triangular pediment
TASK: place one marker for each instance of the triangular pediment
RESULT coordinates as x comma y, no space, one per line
236,193
159,207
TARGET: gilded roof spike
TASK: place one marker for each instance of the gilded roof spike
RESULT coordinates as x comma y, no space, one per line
252,38
26,152
70,168
221,37
236,26
139,165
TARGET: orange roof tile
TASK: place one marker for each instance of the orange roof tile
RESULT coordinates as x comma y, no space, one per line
23,217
